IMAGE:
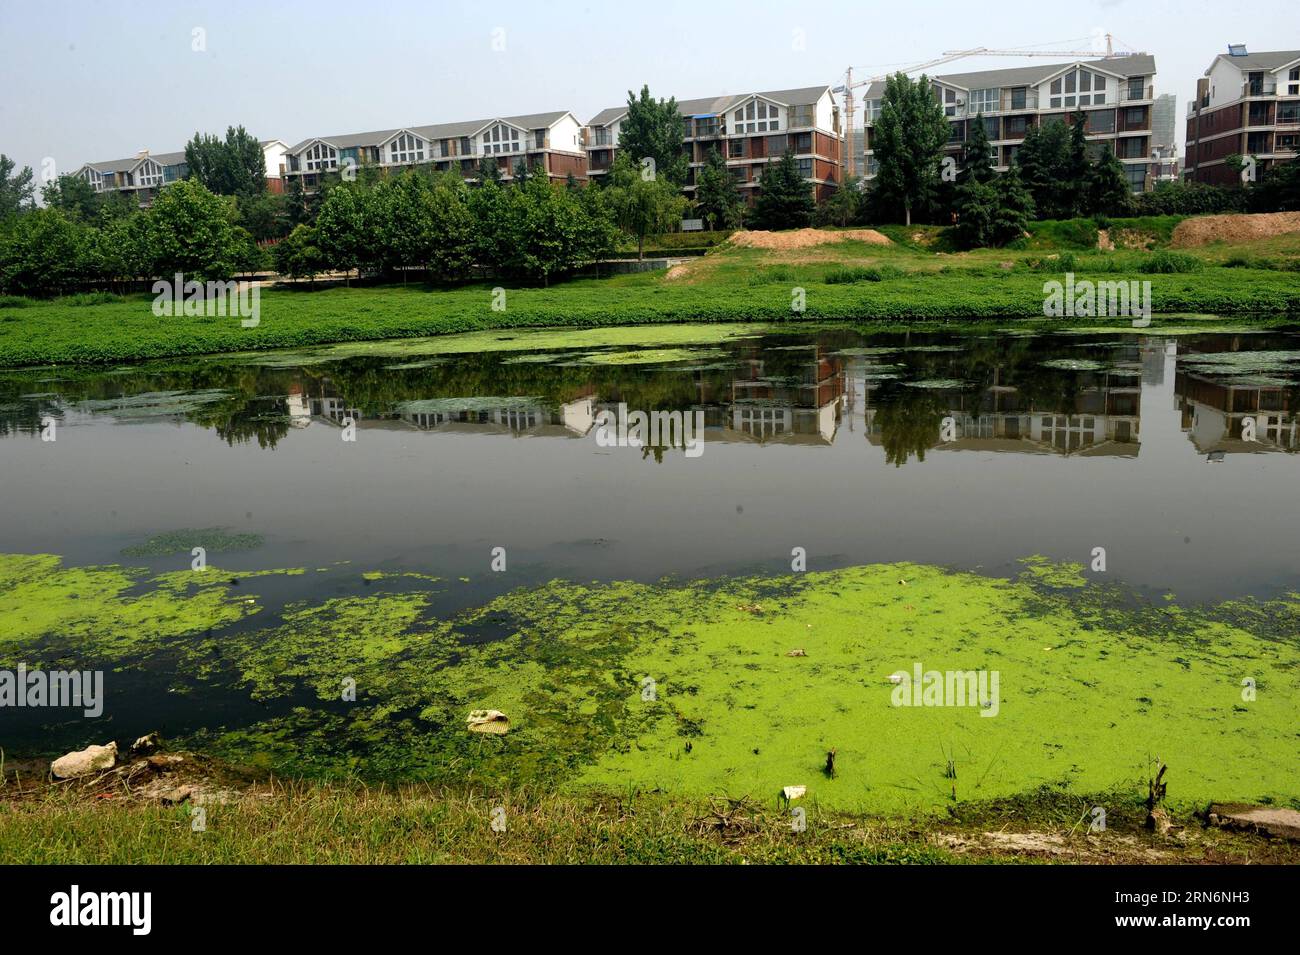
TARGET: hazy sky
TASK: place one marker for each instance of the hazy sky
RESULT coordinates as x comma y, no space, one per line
93,81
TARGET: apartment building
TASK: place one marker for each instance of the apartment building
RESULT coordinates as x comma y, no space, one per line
142,175
750,130
1115,94
1247,104
552,140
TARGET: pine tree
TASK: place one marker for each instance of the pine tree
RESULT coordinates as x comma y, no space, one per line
1107,188
716,194
785,198
976,163
1014,208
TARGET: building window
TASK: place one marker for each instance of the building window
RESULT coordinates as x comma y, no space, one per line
321,156
1131,147
1293,82
736,149
991,128
1137,176
1101,121
956,132
1288,142
501,139
803,142
406,148
983,101
1135,117
1016,127
805,167
539,139
757,117
1288,113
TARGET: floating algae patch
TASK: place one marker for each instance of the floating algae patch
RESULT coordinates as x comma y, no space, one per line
1075,364
694,687
522,339
644,356
936,383
153,404
213,540
469,403
104,612
1244,362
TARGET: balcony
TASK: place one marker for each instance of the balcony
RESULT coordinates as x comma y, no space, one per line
1259,88
1135,94
601,138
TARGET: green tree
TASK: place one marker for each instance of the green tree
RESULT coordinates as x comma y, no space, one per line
72,194
908,140
843,206
16,189
716,196
785,199
489,170
43,253
1108,191
976,159
655,129
264,215
297,255
191,231
976,207
1015,208
642,206
489,206
1279,190
300,206
342,227
1045,165
229,167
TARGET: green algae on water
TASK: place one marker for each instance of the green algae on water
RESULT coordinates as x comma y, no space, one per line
213,540
694,687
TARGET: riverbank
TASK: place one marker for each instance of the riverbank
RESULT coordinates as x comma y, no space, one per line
851,280
238,821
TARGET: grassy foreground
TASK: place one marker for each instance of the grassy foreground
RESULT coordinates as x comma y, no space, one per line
911,279
305,823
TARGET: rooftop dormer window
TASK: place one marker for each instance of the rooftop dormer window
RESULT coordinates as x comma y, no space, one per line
406,149
501,139
321,156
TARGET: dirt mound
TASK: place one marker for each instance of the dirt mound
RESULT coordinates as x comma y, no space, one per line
1234,228
803,238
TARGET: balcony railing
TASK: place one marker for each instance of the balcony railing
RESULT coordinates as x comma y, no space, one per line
1130,94
602,137
1259,88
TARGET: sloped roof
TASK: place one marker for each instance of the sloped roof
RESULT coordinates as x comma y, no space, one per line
126,165
1139,64
436,131
715,105
1259,61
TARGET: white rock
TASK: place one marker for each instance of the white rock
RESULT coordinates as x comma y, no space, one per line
92,759
794,792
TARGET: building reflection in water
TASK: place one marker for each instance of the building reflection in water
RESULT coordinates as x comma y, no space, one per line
805,394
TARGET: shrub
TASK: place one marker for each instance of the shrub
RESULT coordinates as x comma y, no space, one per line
857,273
1163,263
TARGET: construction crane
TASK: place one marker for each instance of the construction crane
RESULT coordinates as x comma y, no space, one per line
848,86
